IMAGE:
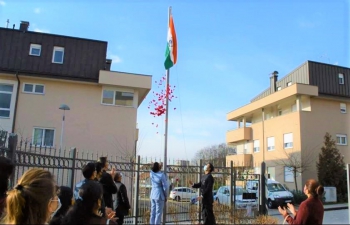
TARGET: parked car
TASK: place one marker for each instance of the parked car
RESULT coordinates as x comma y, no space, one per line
195,201
277,194
181,193
223,197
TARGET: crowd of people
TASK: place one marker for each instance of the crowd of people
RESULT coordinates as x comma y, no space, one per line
101,198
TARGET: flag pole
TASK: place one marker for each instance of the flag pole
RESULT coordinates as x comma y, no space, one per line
167,73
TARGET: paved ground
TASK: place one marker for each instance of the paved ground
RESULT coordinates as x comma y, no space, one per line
334,214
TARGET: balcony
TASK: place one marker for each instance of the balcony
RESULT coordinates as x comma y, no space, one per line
240,134
240,160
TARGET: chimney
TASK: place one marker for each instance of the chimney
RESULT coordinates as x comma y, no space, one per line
273,80
108,64
24,26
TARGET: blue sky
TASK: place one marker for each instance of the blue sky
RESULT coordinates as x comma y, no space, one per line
226,52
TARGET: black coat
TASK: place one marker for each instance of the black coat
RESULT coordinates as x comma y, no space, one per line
109,188
206,187
122,200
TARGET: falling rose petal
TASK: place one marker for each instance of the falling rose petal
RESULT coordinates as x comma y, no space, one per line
174,108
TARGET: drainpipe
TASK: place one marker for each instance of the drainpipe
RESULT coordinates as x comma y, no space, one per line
16,103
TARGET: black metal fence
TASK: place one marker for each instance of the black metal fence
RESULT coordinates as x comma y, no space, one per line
66,165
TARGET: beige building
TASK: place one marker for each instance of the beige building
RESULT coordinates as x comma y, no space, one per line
287,122
52,70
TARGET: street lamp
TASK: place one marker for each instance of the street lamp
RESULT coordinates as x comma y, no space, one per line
63,107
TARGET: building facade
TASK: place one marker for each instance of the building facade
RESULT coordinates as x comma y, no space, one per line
39,72
286,123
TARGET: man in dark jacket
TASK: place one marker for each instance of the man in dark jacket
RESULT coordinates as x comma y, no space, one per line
206,189
122,205
109,187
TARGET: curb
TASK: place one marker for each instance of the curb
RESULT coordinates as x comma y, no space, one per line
336,208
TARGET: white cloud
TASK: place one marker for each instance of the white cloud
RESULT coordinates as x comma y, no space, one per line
336,63
37,10
2,3
115,58
41,30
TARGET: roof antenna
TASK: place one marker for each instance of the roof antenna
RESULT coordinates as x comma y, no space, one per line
13,27
7,23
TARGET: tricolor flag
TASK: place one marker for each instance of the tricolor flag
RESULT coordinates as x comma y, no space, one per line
171,49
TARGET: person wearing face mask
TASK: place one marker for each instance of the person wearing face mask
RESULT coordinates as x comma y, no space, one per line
86,208
206,189
311,210
35,195
65,194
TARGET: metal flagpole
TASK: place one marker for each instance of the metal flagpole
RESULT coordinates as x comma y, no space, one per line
167,72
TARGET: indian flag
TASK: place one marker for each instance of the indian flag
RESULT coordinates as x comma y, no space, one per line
171,49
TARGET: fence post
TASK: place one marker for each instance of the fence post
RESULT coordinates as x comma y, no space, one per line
262,208
232,183
72,173
137,188
12,144
199,179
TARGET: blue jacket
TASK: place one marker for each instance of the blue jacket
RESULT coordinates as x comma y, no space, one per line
159,185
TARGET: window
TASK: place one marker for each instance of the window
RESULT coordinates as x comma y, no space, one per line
280,112
256,145
288,174
35,49
110,97
279,88
271,171
270,143
342,107
294,107
33,88
58,53
245,148
341,78
289,83
5,100
288,140
43,137
342,139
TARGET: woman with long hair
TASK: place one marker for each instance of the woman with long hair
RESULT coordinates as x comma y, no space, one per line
33,200
311,210
86,208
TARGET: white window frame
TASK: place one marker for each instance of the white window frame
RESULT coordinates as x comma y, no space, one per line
34,46
56,48
7,92
33,90
270,143
288,140
343,108
114,100
341,78
288,175
289,83
43,136
256,146
342,139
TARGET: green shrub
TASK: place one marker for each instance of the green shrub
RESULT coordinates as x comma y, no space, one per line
299,196
342,198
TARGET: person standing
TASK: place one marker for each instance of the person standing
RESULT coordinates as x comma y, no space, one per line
158,193
206,188
107,182
6,169
122,205
311,210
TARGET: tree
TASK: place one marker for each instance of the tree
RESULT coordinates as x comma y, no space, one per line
330,165
216,154
296,163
